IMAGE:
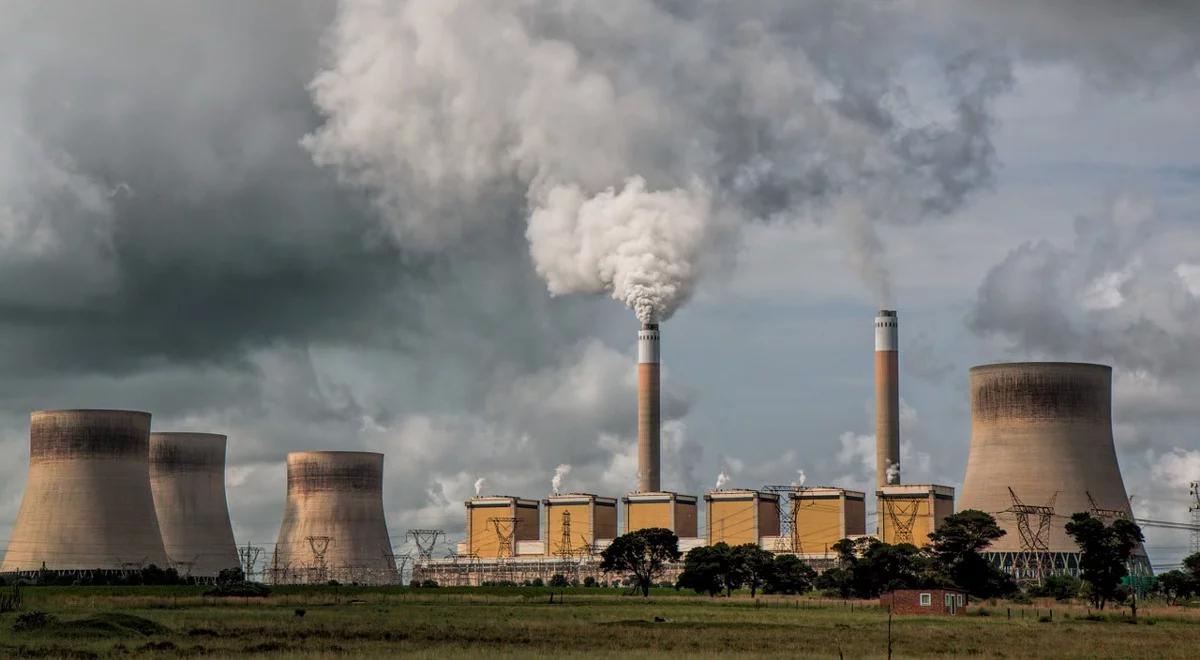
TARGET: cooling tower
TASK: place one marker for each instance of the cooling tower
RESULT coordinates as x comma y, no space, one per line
1043,430
649,420
333,524
887,399
187,477
87,503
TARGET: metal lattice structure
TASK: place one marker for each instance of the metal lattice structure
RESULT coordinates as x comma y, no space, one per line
902,516
506,538
1107,515
1031,564
1195,510
248,555
426,541
318,570
789,537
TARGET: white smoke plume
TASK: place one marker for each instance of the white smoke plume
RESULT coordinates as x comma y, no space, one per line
559,472
892,474
722,479
800,478
634,138
479,486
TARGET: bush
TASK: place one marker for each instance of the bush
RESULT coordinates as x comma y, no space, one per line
590,581
429,583
558,581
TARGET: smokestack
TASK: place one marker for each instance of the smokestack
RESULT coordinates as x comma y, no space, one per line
649,419
187,477
887,399
334,526
87,504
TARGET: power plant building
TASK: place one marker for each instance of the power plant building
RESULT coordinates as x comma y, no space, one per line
1041,450
738,516
825,515
187,478
333,525
662,509
87,502
908,513
497,525
578,521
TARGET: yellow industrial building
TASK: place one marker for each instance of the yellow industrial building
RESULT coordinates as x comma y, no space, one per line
738,516
497,524
590,518
661,509
908,513
825,515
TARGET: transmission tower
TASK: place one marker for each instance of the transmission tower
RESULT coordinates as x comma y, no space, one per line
789,536
1031,563
902,517
1195,510
249,557
566,554
319,570
506,534
425,540
1105,514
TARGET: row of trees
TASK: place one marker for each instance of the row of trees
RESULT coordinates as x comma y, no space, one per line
867,567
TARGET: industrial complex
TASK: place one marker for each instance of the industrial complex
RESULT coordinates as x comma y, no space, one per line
105,494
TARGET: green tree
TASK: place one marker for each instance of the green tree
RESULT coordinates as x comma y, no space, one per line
755,565
790,575
884,567
1104,551
642,554
1058,587
712,569
1176,585
955,547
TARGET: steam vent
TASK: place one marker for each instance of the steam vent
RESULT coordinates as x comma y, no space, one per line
87,503
187,477
1042,450
333,525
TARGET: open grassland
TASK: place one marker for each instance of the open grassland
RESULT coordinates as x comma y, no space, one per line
506,622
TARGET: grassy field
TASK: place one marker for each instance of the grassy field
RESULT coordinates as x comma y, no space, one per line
147,621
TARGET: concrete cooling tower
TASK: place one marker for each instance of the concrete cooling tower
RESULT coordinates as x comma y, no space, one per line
1042,450
333,525
87,503
187,477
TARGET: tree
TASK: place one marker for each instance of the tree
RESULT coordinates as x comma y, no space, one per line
885,567
1058,587
790,575
643,554
1176,585
712,569
1104,551
955,547
755,564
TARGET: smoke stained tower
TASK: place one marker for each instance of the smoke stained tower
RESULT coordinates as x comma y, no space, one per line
887,399
187,477
1041,438
87,503
649,418
333,525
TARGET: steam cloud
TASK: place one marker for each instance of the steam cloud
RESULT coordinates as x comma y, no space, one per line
633,174
722,479
479,486
800,478
559,472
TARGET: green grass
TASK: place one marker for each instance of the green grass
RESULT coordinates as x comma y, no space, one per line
513,622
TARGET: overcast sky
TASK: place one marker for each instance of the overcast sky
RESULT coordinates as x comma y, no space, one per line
419,228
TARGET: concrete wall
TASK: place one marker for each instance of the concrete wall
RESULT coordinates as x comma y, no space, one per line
187,478
87,502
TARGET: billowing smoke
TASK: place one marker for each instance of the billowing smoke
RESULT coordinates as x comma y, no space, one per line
556,482
479,486
634,139
722,479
